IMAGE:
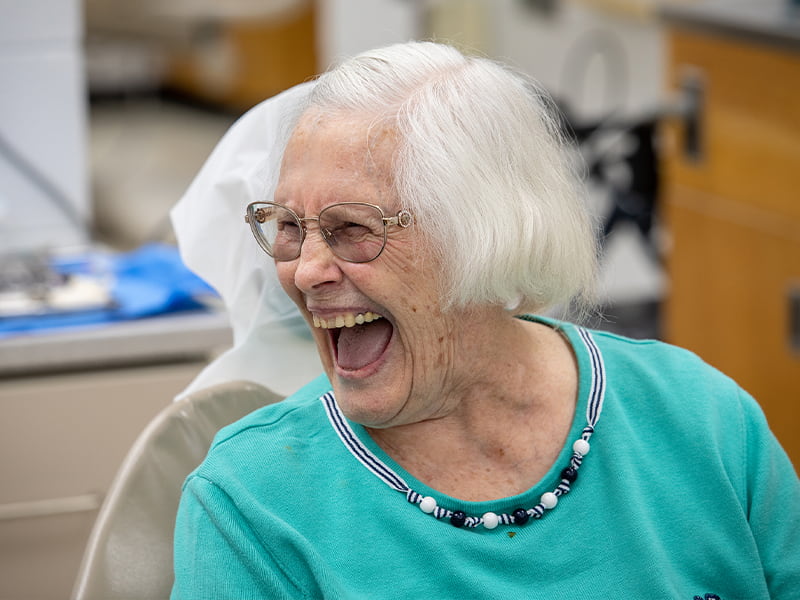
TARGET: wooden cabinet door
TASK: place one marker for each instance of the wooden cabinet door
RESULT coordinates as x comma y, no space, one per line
734,219
734,288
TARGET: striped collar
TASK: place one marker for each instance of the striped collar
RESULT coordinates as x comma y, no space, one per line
366,457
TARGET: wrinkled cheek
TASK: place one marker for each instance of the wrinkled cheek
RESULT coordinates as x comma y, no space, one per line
286,279
323,349
441,353
431,353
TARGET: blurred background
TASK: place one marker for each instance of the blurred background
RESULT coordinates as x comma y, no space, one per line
686,113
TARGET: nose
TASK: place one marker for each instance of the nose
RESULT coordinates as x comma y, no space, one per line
316,265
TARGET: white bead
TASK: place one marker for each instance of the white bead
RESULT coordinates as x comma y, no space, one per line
549,500
428,504
581,446
490,520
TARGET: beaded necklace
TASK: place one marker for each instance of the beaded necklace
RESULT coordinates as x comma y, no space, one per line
489,520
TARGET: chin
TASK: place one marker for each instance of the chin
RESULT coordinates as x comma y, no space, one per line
368,405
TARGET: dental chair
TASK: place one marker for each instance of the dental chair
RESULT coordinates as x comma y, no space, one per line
129,553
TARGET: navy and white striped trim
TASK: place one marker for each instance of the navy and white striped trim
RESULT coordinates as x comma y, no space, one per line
358,449
597,389
594,407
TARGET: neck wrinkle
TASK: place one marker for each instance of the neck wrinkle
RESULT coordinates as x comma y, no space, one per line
503,429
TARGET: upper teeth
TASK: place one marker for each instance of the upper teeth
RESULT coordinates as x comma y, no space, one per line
348,320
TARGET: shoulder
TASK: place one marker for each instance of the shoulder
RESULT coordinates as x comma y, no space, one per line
672,390
651,377
303,405
292,428
656,364
677,398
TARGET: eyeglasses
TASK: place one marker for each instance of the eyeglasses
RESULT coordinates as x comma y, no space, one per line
354,231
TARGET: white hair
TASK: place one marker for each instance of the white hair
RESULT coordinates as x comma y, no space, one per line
483,167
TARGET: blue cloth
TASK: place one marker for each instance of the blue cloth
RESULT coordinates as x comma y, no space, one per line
151,280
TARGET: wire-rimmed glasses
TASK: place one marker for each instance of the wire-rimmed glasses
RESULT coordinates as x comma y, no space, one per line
354,231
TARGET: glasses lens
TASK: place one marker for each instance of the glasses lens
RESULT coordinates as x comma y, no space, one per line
277,230
355,232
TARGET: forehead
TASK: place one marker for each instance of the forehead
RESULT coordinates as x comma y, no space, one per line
339,156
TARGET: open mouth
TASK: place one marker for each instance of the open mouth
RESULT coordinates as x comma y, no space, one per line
358,339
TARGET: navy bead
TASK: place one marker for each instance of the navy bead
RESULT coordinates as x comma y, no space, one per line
458,518
521,516
570,474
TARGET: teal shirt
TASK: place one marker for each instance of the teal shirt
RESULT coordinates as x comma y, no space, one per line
685,492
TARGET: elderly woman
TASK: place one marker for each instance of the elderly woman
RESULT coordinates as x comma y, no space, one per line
458,445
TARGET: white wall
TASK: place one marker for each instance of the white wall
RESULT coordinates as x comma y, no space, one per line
43,118
347,27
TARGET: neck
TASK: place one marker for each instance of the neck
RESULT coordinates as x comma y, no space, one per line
506,416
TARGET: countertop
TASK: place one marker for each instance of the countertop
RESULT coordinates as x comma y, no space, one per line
764,21
177,337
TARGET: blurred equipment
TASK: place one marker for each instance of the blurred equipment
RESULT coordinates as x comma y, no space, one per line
627,170
129,554
51,292
33,285
44,201
620,147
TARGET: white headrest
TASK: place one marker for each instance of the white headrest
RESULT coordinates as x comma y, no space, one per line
272,344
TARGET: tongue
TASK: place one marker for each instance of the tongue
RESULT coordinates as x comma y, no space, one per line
361,345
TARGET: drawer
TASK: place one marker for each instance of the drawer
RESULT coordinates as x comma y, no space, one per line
62,439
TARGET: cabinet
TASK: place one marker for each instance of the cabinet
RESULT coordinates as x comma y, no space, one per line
238,63
733,212
62,438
